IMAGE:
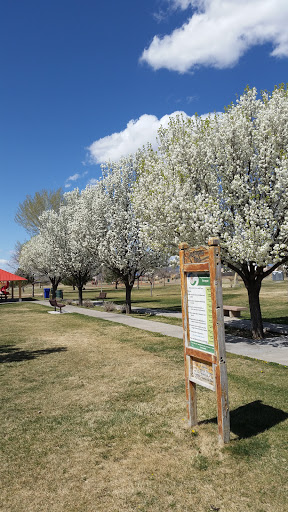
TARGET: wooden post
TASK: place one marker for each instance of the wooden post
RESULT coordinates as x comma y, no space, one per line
190,388
20,292
12,289
219,341
202,314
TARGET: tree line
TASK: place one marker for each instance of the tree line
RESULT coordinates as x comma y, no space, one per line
92,230
225,175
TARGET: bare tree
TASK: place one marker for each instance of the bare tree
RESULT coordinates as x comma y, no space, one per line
30,210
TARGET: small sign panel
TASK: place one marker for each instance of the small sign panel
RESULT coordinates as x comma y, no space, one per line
200,312
202,373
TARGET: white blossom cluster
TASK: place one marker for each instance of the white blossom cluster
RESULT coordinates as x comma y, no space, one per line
113,227
59,250
40,257
93,229
225,176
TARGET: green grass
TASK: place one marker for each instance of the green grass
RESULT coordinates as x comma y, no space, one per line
163,296
93,419
273,298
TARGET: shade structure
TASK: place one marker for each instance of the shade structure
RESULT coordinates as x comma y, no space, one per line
7,276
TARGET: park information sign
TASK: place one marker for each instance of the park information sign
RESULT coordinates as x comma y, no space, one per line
200,312
203,330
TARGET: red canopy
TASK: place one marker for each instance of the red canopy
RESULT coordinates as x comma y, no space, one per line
7,276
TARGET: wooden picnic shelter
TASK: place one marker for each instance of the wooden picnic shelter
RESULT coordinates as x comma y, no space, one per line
8,276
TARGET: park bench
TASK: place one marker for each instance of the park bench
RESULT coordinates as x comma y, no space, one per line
56,304
102,295
4,294
233,311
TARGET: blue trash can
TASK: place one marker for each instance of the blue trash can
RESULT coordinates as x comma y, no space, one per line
46,293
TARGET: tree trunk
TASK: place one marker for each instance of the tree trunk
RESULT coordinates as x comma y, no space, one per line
128,287
151,288
253,287
252,278
33,294
116,285
54,288
54,283
80,294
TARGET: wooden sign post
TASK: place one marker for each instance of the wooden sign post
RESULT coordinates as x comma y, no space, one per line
203,330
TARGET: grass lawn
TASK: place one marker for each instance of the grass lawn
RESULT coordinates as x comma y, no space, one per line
93,419
168,296
273,298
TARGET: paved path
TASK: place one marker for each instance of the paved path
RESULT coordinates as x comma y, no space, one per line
139,323
272,349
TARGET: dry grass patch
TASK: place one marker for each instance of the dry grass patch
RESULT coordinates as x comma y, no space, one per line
93,419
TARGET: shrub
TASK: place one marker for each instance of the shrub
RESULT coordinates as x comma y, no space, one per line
88,304
109,306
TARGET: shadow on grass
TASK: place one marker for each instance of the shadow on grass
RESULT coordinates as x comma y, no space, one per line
271,339
25,299
252,419
171,309
277,320
10,354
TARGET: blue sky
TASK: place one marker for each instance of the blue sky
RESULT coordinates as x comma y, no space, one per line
84,80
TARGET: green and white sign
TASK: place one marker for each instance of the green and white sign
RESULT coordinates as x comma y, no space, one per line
200,312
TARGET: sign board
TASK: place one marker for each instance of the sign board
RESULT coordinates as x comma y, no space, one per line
200,311
203,330
202,373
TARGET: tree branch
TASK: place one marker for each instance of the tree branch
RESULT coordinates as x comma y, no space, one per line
276,265
237,270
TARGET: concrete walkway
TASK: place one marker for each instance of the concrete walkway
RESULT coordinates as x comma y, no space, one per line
272,349
139,323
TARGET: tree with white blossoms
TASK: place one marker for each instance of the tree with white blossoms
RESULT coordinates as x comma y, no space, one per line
39,256
114,229
223,176
65,230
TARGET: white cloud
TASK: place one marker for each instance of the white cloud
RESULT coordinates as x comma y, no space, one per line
74,177
4,264
219,32
137,133
190,99
93,182
183,4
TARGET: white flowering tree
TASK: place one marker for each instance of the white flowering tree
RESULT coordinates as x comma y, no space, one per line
38,256
225,176
114,230
65,230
